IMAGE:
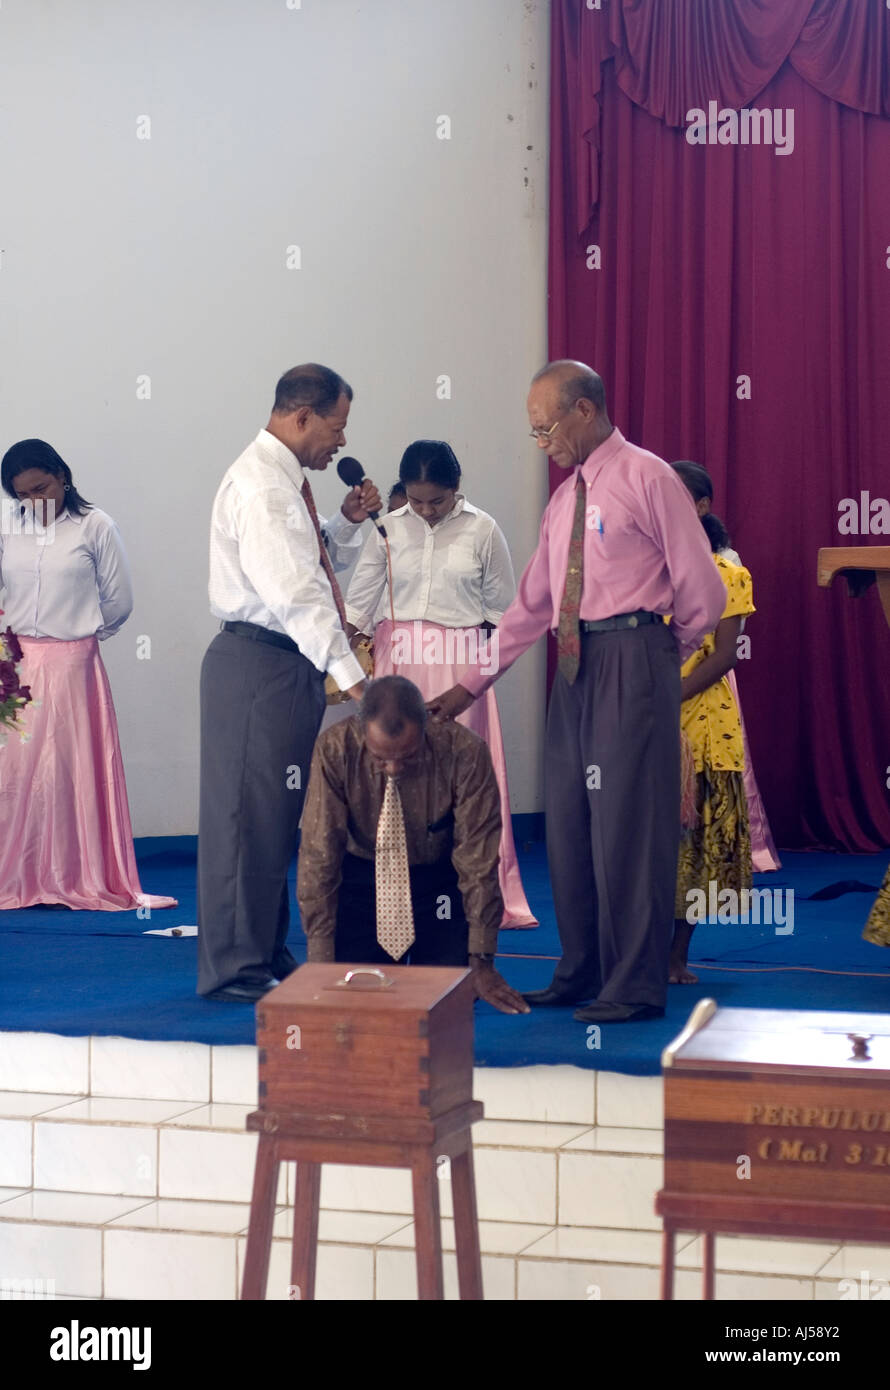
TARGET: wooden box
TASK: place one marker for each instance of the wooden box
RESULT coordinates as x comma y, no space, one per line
341,1040
763,1103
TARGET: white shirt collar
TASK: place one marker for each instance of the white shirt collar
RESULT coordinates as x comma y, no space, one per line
273,448
460,503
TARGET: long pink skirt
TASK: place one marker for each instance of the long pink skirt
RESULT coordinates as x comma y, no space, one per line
65,834
399,651
763,851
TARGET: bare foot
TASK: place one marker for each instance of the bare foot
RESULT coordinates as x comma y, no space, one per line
680,974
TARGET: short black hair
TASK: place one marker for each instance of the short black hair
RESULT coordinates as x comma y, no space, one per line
696,477
392,702
430,461
397,489
312,385
580,381
697,480
36,453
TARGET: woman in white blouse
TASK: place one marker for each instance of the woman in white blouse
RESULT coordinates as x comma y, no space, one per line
452,580
65,587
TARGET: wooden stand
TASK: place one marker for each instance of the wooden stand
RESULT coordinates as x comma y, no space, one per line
777,1123
861,566
744,1216
414,1144
374,1069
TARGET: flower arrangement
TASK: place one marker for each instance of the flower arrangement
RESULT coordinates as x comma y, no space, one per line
13,695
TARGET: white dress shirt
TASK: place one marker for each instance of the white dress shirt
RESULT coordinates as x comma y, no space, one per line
457,573
70,580
264,562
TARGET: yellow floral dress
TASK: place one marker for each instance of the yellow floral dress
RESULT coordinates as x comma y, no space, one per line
877,928
718,848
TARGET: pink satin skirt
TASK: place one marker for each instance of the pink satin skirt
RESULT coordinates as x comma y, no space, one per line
763,851
399,651
65,834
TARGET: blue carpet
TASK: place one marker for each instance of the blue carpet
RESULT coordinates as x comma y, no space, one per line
80,973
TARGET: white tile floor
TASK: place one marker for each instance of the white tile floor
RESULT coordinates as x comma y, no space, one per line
126,1171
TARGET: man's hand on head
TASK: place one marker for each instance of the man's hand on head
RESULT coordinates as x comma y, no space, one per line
493,988
361,501
450,704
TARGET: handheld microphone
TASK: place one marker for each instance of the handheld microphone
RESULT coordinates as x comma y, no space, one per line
353,475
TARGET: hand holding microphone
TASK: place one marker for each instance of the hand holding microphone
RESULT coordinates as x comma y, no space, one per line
364,503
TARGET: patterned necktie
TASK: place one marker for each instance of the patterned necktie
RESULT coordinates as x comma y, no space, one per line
324,557
568,641
395,916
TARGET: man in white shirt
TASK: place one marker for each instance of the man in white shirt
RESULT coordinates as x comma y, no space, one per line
272,563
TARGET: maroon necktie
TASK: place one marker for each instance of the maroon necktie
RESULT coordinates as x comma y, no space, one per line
324,557
568,641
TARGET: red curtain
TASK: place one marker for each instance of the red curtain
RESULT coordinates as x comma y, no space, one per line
728,261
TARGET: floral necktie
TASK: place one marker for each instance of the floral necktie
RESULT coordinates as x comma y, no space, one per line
395,915
568,640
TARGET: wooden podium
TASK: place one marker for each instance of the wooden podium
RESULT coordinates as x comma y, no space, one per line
777,1123
366,1066
861,566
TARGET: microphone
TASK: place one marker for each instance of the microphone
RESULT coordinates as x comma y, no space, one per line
353,475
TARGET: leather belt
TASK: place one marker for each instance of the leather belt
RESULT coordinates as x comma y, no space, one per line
621,620
255,633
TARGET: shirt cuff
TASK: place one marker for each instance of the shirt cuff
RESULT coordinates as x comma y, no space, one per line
474,681
482,941
341,529
319,948
363,621
346,672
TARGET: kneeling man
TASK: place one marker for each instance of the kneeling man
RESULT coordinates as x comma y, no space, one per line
399,845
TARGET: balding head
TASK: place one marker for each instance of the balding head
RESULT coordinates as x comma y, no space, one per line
570,397
573,381
392,716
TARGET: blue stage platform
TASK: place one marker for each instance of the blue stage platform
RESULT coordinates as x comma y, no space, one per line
86,973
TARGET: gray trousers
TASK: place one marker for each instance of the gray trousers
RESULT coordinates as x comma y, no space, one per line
261,709
612,849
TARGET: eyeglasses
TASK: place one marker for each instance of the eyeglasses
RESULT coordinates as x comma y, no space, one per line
540,433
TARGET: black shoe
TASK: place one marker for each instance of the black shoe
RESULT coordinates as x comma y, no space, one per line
246,993
550,997
617,1013
284,965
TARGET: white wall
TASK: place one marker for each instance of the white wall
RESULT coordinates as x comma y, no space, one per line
271,125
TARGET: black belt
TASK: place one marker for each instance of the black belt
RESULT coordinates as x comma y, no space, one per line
621,620
262,634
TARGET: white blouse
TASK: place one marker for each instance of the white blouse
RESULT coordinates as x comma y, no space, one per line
457,573
70,580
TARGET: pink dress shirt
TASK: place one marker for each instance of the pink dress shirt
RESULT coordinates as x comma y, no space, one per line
644,547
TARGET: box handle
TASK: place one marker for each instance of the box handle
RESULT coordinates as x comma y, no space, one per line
703,1012
384,980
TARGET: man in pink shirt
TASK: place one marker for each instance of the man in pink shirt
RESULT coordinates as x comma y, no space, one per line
620,546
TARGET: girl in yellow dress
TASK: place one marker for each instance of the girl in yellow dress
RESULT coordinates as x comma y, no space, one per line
877,928
718,849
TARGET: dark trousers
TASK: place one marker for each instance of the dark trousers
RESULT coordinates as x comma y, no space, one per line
438,939
261,709
612,850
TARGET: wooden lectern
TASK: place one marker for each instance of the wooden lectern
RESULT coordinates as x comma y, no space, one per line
777,1123
358,1065
861,566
